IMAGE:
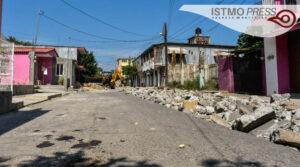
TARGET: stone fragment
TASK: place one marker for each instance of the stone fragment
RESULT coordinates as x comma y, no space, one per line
296,114
204,102
296,126
232,115
200,109
244,109
248,122
291,107
221,106
267,128
285,115
209,110
256,101
286,137
168,105
202,116
280,99
190,104
218,120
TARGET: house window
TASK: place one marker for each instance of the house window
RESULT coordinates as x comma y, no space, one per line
177,59
59,69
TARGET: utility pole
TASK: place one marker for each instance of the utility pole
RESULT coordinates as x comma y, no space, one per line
34,45
67,66
166,53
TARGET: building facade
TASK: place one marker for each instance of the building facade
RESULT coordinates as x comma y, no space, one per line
122,62
52,63
24,66
186,61
282,63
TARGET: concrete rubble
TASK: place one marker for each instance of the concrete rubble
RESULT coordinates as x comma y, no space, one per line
277,119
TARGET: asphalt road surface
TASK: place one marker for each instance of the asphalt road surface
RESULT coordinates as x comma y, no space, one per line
108,128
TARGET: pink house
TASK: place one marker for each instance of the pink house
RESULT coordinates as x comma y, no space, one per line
282,61
242,71
24,66
280,66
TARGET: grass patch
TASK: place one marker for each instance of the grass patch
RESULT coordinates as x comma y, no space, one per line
193,84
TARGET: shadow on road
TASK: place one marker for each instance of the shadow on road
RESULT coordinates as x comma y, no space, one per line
238,163
79,159
128,163
13,120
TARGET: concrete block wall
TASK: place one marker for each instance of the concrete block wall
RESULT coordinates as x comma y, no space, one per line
5,101
23,89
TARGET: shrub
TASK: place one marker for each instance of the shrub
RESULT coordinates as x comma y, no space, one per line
61,80
211,84
174,84
194,84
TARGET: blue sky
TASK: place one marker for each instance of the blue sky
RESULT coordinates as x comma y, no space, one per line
144,17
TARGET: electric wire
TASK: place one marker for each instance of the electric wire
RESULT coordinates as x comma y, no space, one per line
92,35
99,20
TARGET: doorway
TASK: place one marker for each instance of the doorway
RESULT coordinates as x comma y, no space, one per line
294,59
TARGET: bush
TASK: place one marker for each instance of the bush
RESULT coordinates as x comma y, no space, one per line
189,84
61,80
211,84
194,84
175,84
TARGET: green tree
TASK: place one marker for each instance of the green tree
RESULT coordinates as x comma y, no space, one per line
90,64
248,41
99,71
129,71
16,41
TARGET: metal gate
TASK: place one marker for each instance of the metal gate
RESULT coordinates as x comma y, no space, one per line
6,65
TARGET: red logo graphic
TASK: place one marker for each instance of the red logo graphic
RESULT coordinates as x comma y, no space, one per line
284,18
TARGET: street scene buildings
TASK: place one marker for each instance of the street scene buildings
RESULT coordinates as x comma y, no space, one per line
185,61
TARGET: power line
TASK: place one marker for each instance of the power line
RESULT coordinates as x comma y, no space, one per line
212,28
93,41
99,20
92,35
170,12
185,28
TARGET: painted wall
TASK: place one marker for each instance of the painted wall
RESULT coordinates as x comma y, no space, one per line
283,64
225,74
271,65
47,63
193,54
68,53
21,69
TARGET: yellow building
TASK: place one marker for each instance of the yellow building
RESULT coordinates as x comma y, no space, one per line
124,62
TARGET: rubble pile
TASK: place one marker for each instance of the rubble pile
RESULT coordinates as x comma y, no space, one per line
93,86
277,119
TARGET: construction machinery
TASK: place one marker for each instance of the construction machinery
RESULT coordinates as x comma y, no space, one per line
115,76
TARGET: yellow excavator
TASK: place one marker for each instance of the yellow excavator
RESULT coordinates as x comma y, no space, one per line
114,77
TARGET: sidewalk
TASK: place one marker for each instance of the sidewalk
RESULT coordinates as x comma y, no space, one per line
35,98
43,94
